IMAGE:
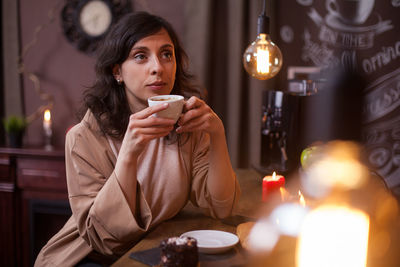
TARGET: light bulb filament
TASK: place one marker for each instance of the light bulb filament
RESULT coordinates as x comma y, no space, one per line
262,61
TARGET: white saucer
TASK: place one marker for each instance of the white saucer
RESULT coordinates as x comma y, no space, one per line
212,241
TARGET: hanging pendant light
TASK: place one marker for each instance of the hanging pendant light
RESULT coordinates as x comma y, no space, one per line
262,58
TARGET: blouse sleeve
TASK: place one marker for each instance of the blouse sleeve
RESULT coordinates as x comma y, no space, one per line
200,195
102,213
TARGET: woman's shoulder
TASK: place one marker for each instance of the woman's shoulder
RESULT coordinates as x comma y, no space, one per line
87,129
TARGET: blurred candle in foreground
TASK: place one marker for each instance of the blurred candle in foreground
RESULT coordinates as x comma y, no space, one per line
334,236
302,201
272,184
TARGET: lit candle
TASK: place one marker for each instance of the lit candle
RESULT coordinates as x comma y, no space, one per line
333,235
302,201
47,123
271,184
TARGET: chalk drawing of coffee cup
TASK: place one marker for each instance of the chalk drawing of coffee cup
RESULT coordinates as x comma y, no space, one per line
350,11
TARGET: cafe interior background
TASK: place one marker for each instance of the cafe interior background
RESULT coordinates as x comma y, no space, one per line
47,63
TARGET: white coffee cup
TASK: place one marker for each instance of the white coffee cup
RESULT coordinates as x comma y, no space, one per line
175,105
350,11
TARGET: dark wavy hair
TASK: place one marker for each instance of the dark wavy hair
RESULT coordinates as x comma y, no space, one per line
106,98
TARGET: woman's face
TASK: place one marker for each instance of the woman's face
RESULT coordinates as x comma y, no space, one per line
149,69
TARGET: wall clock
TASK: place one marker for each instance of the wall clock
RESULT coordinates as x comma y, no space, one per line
86,22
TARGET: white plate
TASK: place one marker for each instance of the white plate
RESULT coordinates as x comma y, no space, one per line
212,241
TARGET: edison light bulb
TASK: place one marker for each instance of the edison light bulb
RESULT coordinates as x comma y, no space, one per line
262,58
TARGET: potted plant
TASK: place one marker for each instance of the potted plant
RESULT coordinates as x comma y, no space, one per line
15,129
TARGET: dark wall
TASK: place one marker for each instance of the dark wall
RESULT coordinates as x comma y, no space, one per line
352,37
64,71
2,134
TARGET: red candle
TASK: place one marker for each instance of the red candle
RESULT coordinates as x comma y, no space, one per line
271,184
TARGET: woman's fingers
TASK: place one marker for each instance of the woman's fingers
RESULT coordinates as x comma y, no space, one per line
192,103
191,127
154,130
199,116
150,121
194,110
150,111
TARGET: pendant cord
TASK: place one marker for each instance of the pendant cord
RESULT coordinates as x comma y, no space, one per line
264,12
263,21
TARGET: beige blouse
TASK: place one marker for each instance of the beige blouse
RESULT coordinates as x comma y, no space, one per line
169,175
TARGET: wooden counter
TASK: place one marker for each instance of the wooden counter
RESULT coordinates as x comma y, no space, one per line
33,201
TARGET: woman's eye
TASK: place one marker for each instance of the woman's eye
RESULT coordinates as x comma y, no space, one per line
139,57
167,54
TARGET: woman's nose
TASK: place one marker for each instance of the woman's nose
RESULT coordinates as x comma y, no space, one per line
156,66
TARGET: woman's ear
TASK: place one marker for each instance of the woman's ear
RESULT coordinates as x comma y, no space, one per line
117,72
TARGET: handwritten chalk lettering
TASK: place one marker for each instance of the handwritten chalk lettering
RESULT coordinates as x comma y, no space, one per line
287,34
383,100
374,136
383,148
349,59
381,160
328,35
396,133
379,156
396,154
356,40
319,54
382,103
342,39
305,2
382,58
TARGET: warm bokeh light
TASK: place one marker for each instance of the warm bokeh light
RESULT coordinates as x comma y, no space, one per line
285,195
338,166
336,172
302,201
263,236
47,115
333,236
288,218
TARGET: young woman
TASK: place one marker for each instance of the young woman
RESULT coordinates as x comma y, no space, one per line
127,170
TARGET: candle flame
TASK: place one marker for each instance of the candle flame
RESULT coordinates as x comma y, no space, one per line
47,115
274,176
302,201
285,195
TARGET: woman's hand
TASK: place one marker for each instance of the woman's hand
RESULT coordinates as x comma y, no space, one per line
142,128
198,116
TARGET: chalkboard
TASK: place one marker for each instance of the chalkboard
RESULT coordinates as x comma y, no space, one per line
361,35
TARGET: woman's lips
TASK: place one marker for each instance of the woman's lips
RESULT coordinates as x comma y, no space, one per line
157,85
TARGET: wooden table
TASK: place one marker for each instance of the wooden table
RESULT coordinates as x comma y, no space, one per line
191,218
251,206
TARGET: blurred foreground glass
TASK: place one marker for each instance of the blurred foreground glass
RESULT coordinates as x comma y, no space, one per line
333,235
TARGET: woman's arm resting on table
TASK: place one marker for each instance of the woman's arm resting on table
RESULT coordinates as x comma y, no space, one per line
221,181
